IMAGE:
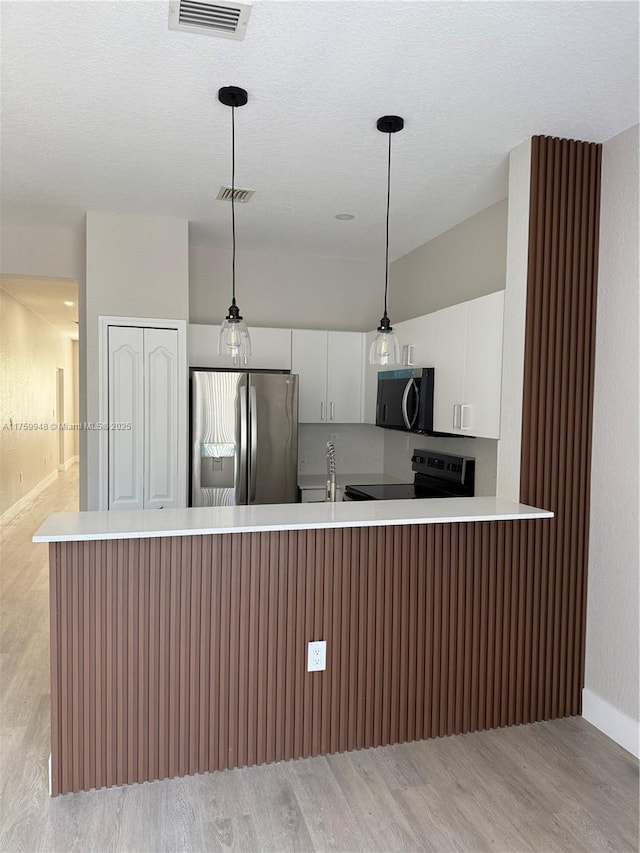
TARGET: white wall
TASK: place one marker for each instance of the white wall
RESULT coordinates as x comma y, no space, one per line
286,291
137,266
515,311
613,611
42,250
465,262
31,349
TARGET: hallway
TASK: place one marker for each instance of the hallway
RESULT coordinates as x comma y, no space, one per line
554,786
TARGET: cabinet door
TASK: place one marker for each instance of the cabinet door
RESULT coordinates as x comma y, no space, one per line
309,361
369,381
483,366
417,340
161,451
270,349
449,362
126,407
344,377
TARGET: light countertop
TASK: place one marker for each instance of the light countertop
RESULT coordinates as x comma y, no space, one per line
150,523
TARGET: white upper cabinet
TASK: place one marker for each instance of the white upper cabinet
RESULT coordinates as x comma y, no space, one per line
330,368
468,367
344,377
449,363
270,348
309,361
417,340
483,366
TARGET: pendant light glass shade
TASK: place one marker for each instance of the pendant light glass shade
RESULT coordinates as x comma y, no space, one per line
385,349
233,339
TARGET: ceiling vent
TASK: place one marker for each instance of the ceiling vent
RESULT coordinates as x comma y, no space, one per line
222,18
225,194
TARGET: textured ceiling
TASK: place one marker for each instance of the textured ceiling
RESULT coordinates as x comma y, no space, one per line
46,297
105,108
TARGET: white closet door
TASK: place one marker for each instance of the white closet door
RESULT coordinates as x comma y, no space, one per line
126,407
161,451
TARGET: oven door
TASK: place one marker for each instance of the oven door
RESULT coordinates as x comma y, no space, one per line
398,403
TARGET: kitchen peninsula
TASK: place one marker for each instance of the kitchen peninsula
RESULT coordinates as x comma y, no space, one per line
179,637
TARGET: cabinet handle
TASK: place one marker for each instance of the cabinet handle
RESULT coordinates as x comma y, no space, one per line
333,411
321,411
456,416
407,354
465,407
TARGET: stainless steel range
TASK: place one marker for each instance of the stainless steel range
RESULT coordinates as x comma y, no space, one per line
437,475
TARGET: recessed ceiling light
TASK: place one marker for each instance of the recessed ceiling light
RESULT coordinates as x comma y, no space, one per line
344,216
70,304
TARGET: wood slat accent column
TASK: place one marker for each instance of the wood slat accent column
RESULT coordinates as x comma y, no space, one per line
180,655
557,409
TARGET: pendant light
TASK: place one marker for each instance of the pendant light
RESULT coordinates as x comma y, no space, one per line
385,349
234,336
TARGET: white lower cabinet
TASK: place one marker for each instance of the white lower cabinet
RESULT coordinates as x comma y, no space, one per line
145,465
330,368
315,495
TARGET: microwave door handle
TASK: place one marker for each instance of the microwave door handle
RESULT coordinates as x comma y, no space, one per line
415,414
405,401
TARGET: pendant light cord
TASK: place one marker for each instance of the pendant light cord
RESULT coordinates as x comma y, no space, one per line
386,258
233,205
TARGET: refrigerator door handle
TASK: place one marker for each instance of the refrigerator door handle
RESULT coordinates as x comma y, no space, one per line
253,427
241,473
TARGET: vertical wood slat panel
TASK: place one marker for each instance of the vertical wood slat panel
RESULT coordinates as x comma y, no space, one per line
558,388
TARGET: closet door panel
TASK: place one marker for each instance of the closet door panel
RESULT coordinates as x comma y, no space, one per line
126,417
161,451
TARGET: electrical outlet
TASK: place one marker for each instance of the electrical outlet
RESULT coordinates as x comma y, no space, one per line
303,465
317,656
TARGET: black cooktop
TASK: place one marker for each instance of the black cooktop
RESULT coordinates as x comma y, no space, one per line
437,475
390,492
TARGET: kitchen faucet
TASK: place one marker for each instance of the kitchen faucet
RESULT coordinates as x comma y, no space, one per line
331,472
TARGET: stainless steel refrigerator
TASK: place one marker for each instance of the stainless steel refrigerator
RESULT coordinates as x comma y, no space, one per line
244,438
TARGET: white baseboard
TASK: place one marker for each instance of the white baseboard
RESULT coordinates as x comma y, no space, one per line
72,461
25,500
617,725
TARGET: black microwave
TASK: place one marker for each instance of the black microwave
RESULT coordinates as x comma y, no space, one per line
405,400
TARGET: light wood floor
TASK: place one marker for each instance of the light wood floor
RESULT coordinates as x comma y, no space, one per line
556,786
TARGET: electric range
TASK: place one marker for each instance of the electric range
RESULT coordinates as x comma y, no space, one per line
437,475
